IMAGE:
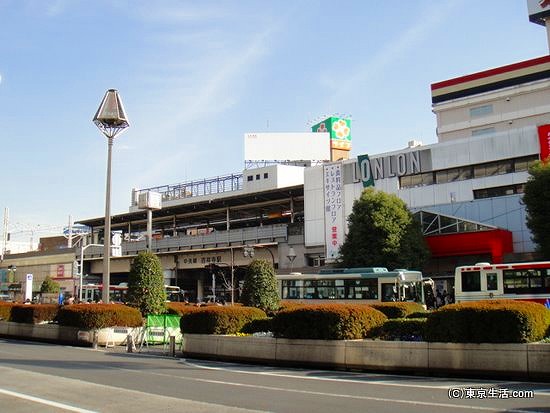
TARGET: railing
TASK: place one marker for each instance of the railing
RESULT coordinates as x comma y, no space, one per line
241,236
216,185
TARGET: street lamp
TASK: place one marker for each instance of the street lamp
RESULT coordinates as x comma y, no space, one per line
111,120
291,255
82,249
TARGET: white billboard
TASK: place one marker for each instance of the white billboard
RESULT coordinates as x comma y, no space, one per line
310,146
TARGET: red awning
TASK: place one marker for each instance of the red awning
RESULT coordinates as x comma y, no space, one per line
496,242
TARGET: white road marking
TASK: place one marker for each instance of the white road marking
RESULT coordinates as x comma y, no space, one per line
46,402
541,392
315,393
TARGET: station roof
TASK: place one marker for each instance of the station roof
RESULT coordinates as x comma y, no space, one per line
213,208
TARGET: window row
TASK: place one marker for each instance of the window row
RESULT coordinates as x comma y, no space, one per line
330,289
533,281
250,178
468,172
498,191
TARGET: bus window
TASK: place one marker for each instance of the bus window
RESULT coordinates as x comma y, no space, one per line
471,281
492,283
389,292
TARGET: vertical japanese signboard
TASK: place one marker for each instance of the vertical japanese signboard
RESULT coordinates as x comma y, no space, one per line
544,141
28,287
334,210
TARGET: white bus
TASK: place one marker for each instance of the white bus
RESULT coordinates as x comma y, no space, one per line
528,281
353,285
117,293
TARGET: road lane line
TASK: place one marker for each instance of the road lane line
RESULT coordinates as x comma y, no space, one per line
315,393
541,392
46,402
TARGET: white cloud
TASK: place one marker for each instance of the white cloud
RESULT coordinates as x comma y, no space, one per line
190,97
0,78
177,13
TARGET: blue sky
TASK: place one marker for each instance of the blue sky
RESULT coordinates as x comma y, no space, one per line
195,76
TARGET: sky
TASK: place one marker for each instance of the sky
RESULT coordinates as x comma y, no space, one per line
195,76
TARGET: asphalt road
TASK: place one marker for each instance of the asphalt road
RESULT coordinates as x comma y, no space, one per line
36,377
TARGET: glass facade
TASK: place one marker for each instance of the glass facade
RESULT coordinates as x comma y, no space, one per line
463,173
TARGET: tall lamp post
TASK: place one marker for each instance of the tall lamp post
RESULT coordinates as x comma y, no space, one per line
111,120
291,255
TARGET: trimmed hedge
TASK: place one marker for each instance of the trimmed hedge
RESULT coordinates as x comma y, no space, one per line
402,329
219,319
33,313
398,309
96,316
491,321
327,322
180,308
5,310
262,325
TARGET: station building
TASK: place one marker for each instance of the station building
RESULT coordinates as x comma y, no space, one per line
466,190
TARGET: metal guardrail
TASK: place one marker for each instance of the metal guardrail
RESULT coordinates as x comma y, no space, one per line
207,186
267,233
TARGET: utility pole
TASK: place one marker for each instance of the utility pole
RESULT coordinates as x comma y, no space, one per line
70,240
4,234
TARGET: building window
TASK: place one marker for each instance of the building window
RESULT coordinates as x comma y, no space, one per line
481,111
463,173
471,281
454,174
498,191
249,178
523,164
266,175
257,177
484,131
494,168
411,181
492,283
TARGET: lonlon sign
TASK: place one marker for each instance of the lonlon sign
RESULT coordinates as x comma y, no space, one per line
406,163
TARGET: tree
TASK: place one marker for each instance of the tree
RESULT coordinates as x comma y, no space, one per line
146,284
536,199
49,285
260,286
383,233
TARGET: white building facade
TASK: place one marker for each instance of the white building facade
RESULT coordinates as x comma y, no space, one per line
491,125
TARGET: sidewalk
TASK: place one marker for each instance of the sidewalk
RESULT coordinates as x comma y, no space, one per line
150,350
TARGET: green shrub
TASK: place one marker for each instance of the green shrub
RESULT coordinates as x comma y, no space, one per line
33,313
146,284
95,316
219,320
422,314
49,285
5,310
260,286
398,309
327,322
180,308
402,329
492,321
262,325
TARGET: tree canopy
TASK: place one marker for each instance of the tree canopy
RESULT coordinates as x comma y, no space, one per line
382,233
146,284
49,285
260,286
536,199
